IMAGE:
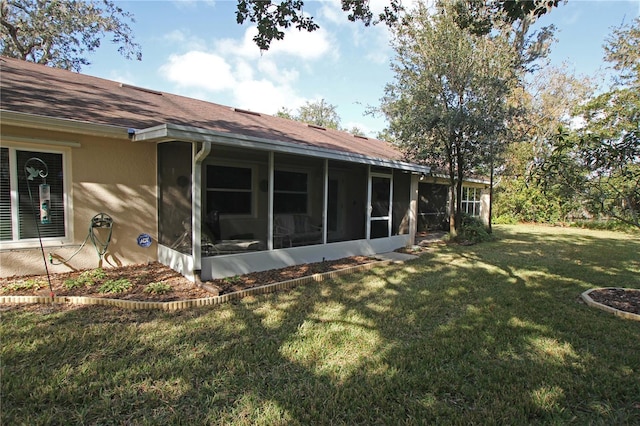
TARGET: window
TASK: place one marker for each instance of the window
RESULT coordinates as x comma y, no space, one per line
471,201
229,189
289,192
20,215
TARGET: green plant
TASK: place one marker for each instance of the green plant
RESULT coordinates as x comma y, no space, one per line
473,230
505,219
86,279
29,284
157,288
605,225
232,280
115,286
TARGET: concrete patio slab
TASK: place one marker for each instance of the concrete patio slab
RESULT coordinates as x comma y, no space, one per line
395,257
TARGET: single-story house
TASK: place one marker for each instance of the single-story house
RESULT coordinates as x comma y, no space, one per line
109,174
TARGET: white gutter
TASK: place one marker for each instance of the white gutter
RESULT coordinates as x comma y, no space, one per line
174,132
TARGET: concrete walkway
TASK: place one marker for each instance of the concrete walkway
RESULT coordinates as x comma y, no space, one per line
395,257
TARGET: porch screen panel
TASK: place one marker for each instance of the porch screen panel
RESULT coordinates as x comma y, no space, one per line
432,207
347,201
401,202
298,201
175,179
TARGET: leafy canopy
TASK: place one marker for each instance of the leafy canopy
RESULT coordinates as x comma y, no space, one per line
272,18
601,160
448,103
60,33
318,113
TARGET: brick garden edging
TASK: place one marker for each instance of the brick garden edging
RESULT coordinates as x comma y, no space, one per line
184,304
589,301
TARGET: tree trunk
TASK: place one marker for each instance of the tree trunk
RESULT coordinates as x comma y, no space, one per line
453,232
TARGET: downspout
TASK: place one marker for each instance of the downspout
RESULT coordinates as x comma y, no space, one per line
196,207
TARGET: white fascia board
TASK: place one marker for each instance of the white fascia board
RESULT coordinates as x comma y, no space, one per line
173,132
42,122
468,180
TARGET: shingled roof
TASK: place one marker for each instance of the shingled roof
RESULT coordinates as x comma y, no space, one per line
37,89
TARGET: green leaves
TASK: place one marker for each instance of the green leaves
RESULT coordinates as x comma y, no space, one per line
272,19
448,105
61,33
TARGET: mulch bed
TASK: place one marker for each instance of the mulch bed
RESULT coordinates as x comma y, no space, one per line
626,300
181,289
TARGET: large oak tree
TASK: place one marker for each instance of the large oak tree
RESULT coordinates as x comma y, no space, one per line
60,33
448,104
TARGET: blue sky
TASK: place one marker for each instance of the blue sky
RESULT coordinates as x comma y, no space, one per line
196,49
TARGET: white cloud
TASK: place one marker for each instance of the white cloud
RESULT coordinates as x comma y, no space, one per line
125,78
182,4
197,69
236,70
296,44
331,11
256,85
185,40
270,70
264,96
304,45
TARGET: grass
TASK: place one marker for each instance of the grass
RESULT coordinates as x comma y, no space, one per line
486,334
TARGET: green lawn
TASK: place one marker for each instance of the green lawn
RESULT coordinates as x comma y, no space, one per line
492,334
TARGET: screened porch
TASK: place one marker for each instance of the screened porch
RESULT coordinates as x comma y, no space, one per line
256,209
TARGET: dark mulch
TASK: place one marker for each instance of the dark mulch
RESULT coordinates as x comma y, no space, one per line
255,279
181,289
627,300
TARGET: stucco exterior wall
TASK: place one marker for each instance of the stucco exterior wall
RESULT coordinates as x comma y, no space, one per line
103,175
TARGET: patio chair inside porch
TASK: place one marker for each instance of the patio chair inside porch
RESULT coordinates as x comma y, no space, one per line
290,230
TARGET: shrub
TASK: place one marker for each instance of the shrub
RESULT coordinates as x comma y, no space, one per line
605,225
506,219
472,230
29,284
115,286
86,279
157,288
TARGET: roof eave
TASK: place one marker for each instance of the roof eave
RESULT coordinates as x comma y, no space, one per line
42,122
173,132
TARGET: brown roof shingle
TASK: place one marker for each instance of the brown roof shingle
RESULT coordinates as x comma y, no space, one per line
37,89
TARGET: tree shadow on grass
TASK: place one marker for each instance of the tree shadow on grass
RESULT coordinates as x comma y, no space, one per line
480,334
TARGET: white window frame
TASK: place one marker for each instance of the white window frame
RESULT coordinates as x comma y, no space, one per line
306,192
254,193
16,242
471,205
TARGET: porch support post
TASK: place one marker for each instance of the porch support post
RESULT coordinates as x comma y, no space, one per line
196,206
270,202
413,208
390,220
368,208
325,202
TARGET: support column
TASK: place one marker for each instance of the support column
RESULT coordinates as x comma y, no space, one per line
413,208
196,206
